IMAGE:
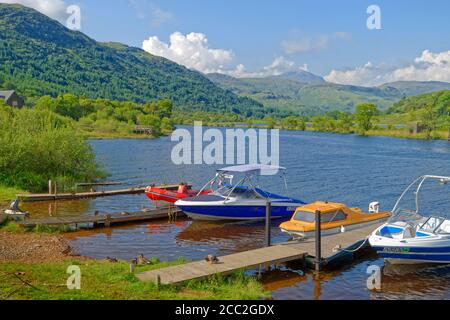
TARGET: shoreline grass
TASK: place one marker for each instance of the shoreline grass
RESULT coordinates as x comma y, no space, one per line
8,194
102,280
13,227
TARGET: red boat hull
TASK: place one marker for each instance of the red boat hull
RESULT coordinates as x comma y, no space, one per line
172,196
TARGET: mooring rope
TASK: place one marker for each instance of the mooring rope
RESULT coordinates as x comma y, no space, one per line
359,248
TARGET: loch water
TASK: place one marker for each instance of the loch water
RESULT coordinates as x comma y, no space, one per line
345,168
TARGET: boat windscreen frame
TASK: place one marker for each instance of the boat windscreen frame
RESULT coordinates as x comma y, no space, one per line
419,182
222,175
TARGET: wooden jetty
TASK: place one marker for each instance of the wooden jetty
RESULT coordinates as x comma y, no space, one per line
86,195
264,257
105,220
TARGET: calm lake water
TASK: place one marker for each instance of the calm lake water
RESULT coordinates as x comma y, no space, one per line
345,168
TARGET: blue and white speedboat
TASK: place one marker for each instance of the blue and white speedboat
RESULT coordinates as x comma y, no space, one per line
240,201
409,237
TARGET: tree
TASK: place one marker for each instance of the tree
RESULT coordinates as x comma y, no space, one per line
270,122
302,124
344,122
428,119
447,120
364,116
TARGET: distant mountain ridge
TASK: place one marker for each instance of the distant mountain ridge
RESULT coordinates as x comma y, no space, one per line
301,76
308,94
41,57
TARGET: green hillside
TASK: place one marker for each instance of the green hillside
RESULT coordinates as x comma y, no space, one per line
414,88
41,57
313,98
439,100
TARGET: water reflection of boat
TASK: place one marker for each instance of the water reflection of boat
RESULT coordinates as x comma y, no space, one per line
413,280
411,238
238,201
231,236
335,217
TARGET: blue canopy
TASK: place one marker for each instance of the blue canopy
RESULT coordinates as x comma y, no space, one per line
250,168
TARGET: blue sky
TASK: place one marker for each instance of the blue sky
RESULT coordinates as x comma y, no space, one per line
324,35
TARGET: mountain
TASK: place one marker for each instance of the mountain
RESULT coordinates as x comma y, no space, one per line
301,76
39,56
296,95
414,88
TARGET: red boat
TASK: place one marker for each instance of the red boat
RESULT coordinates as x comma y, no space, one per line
172,196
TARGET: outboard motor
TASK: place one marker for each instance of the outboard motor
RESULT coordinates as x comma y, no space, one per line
374,207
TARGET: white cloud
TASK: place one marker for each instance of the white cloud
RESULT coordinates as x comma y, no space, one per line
160,16
280,65
428,67
55,9
191,50
303,43
148,10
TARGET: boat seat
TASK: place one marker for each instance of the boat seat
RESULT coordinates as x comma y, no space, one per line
409,232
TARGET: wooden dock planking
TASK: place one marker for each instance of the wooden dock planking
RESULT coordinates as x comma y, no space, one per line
227,265
86,195
102,219
253,259
348,240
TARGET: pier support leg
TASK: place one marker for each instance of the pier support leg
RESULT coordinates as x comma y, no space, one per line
108,221
268,223
318,261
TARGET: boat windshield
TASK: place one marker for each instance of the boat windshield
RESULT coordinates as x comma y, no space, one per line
414,216
226,184
305,216
237,192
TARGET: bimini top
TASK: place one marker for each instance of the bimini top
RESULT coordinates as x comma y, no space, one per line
251,168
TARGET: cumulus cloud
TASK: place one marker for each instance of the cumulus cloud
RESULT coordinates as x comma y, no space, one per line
279,66
191,50
303,43
55,9
428,66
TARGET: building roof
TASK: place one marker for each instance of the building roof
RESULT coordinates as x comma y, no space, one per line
6,94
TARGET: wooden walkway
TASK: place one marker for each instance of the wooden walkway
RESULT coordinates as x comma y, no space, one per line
86,195
254,259
105,220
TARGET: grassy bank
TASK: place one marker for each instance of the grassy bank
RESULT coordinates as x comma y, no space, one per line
101,280
8,194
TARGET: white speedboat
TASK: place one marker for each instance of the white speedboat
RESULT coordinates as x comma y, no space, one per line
238,201
410,238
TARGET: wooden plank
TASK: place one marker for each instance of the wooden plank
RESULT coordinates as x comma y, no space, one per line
101,219
87,195
98,184
252,259
227,265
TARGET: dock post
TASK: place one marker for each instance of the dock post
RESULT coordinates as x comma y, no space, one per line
95,225
108,221
50,187
318,262
268,223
